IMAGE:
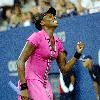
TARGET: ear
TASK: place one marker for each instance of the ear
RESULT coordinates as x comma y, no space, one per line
42,22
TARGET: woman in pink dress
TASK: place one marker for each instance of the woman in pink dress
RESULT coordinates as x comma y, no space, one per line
34,62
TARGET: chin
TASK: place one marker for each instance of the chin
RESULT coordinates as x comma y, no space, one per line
55,25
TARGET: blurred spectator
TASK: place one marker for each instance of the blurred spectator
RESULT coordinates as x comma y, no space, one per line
17,10
16,2
4,9
6,15
89,6
35,11
1,12
61,8
84,87
96,71
37,2
44,5
14,22
15,19
64,8
9,13
27,5
23,2
88,63
26,19
71,9
78,6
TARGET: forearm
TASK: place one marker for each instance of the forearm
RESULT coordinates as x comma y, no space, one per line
72,78
68,65
25,54
21,71
96,88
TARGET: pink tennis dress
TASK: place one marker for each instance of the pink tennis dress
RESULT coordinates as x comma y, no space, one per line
38,65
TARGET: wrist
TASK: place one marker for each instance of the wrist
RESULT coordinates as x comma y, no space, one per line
77,55
24,86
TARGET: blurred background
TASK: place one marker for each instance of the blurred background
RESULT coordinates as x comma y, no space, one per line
78,20
17,13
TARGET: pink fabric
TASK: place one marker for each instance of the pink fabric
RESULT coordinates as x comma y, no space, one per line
37,63
36,90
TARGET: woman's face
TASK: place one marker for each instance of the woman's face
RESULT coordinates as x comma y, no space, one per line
50,20
17,10
8,13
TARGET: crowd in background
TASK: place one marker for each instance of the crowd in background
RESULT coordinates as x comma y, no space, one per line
19,13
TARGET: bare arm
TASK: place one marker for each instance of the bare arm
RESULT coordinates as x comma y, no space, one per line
66,66
96,86
63,65
25,54
72,79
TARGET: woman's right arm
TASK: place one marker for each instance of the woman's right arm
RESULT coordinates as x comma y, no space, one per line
25,54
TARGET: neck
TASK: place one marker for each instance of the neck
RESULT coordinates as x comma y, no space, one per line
50,31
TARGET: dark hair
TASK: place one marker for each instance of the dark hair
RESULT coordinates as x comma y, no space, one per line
38,21
65,52
4,11
88,57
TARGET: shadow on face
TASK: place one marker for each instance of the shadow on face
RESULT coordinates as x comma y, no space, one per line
49,20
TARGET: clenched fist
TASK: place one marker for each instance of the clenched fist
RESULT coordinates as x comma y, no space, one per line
79,47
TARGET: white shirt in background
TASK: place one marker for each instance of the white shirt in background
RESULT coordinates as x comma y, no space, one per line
6,3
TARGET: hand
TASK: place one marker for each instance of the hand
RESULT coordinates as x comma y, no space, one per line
71,87
24,94
79,47
66,90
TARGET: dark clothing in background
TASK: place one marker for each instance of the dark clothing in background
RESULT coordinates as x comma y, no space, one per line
95,73
66,78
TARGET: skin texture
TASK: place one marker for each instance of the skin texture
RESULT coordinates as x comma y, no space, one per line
49,23
72,77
